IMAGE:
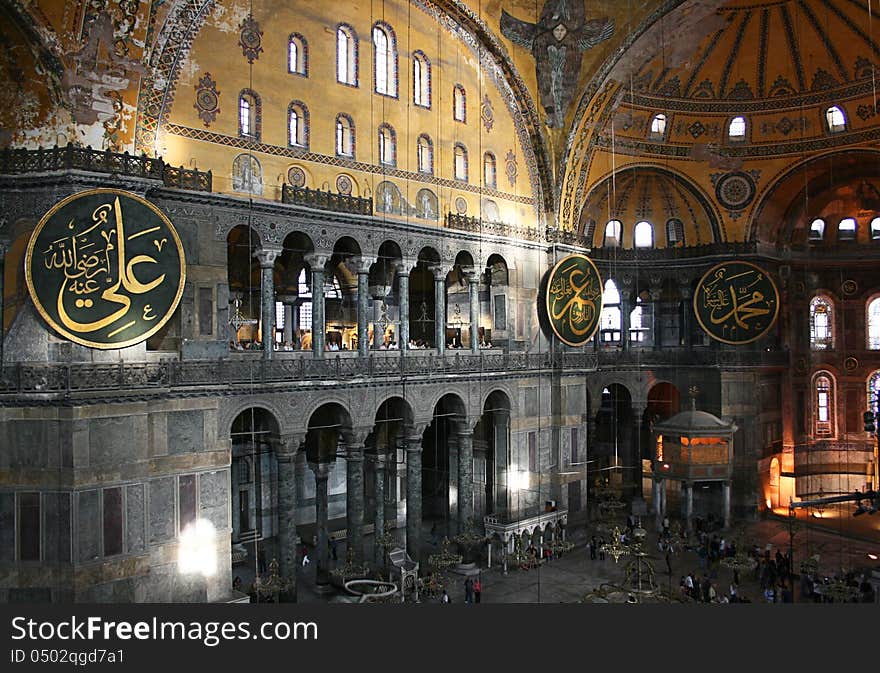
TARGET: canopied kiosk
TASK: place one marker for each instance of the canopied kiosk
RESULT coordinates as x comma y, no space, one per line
693,447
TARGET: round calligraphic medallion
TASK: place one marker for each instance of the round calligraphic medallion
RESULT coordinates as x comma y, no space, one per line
574,299
105,268
736,302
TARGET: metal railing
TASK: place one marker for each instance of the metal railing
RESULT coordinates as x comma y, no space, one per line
23,378
326,200
45,160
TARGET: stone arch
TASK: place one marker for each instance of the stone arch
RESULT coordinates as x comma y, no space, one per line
232,410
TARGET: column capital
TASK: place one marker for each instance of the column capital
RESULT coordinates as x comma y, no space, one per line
267,254
289,445
440,272
363,263
404,266
355,437
412,438
317,259
287,298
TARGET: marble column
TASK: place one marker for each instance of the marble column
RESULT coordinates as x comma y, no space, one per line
414,494
363,301
403,270
379,514
465,476
266,257
685,326
288,300
378,331
473,287
317,261
656,504
4,246
637,453
322,472
656,294
625,309
689,505
725,492
288,447
663,486
354,498
439,309
481,451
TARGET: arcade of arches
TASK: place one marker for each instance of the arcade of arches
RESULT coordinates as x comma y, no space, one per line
369,199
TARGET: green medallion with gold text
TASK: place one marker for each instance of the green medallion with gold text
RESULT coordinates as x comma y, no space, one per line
736,302
105,268
574,299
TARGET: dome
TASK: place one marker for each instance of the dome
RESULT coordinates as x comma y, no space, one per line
694,423
677,211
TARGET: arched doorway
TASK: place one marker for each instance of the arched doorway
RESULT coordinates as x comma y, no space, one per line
491,456
497,284
440,464
253,473
617,464
243,276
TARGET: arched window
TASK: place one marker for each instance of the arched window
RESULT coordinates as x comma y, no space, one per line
873,391
344,136
821,323
846,230
249,114
875,229
459,104
874,324
346,55
640,320
297,124
461,162
736,131
305,301
489,179
387,145
643,236
425,150
612,234
421,80
297,55
674,231
384,60
609,322
658,127
817,229
835,119
823,400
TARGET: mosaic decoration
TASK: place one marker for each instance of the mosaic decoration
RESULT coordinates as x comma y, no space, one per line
250,39
460,205
851,364
426,207
296,176
735,191
557,42
736,302
105,268
487,113
207,99
574,299
247,175
849,287
343,185
511,168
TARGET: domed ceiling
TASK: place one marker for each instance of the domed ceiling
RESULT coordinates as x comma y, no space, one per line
679,214
770,50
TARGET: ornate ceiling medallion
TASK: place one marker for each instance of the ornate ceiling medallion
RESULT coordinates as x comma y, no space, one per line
251,39
207,99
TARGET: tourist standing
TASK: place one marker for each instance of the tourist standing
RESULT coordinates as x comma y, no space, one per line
468,590
478,590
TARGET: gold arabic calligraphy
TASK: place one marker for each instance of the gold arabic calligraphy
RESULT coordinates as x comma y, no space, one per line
573,299
93,255
98,275
737,297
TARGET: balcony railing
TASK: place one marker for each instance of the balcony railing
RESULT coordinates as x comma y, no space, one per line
326,200
490,228
243,371
44,160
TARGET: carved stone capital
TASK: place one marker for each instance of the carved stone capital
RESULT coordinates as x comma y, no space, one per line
317,260
266,255
362,264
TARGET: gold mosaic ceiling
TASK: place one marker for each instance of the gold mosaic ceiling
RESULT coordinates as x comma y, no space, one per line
771,50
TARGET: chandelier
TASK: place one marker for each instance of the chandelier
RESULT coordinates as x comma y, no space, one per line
445,559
